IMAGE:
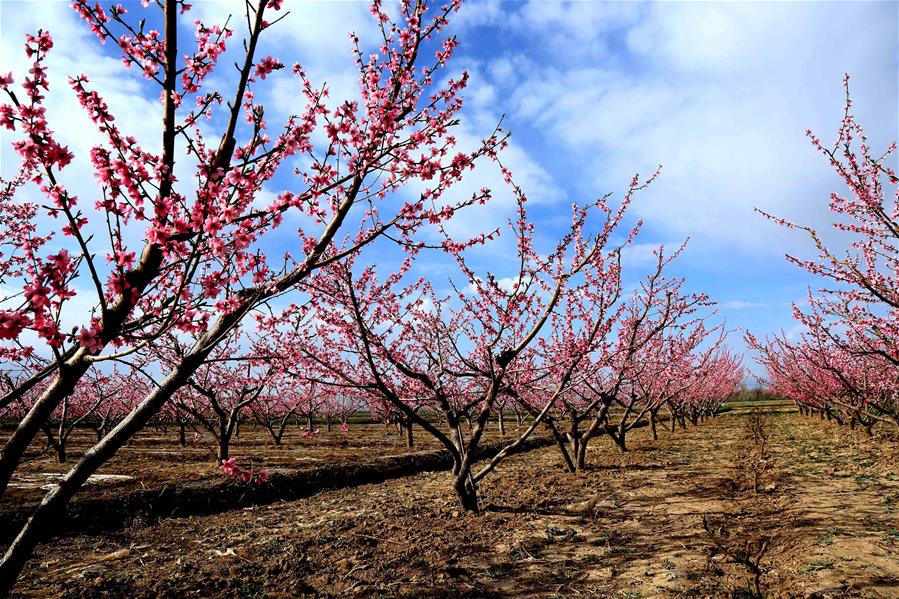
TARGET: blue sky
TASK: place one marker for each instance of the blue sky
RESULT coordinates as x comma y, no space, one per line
719,93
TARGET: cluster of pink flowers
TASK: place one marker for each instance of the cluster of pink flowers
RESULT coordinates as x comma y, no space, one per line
210,45
90,338
266,66
96,16
230,468
39,149
48,289
12,323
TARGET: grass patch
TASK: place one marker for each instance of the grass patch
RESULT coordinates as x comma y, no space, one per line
816,567
498,571
827,539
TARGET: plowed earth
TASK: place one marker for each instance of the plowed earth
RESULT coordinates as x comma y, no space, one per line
674,517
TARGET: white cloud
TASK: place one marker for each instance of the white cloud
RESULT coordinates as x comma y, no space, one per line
719,92
477,14
639,254
743,305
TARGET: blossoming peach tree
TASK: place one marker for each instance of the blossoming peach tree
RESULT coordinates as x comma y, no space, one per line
647,353
405,344
190,254
225,388
845,364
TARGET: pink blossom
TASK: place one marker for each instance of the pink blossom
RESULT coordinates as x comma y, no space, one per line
37,296
12,323
90,338
229,467
266,66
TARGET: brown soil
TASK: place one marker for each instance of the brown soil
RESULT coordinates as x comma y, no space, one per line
828,511
154,459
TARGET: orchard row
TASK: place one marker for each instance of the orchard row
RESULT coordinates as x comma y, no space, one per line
844,362
230,268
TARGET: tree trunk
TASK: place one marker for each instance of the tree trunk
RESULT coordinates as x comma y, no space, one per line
182,434
309,421
618,437
581,456
652,424
502,423
57,445
569,464
224,438
466,492
410,439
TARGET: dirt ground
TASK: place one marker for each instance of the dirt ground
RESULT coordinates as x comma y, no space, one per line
671,518
155,459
